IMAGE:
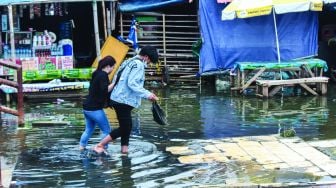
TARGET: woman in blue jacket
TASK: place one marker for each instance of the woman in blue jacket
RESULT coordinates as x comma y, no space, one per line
94,103
127,94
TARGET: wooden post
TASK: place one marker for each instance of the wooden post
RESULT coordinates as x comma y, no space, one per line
265,91
96,28
17,84
324,88
20,97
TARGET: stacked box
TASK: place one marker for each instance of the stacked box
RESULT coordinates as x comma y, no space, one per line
47,63
33,75
67,62
59,62
84,73
24,64
29,63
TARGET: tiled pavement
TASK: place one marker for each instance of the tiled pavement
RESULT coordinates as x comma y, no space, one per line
272,153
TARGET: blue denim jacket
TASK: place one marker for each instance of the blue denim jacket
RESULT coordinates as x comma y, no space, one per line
130,88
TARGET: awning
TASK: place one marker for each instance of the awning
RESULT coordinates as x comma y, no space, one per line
146,5
223,1
20,2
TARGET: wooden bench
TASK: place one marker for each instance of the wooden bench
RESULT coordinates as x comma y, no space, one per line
264,85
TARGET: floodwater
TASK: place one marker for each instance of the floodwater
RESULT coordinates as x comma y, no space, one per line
48,156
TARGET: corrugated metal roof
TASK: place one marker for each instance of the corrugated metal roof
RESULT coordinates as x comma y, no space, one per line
19,2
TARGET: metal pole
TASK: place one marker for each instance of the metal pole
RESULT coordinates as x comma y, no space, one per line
121,25
277,42
96,30
108,13
11,31
276,37
113,14
164,39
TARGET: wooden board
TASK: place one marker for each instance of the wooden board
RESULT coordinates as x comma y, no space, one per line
114,48
293,81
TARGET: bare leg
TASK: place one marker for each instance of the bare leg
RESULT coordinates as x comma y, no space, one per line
124,149
81,148
99,148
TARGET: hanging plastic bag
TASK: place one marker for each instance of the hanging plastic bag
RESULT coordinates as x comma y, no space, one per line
158,114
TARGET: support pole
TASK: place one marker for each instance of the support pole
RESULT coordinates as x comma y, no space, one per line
121,25
276,37
104,19
108,14
164,40
20,96
113,14
277,41
96,28
11,31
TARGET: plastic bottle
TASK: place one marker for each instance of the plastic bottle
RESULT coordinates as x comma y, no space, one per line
44,40
47,38
39,41
51,10
9,54
6,51
34,41
60,50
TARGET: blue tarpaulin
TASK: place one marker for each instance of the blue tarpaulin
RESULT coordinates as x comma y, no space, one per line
253,39
145,5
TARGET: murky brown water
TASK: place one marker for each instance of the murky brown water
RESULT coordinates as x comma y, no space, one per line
48,156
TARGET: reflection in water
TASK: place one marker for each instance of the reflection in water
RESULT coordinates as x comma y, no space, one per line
48,155
242,116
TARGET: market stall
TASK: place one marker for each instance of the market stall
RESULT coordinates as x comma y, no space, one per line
43,54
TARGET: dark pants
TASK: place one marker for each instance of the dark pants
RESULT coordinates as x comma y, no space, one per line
124,117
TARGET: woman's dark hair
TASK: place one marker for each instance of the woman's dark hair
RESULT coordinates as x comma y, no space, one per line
106,61
151,52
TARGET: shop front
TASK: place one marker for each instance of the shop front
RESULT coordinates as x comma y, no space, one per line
45,36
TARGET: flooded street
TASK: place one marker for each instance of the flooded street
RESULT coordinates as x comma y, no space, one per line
46,149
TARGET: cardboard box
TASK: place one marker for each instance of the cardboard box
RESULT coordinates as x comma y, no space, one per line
47,63
67,62
29,63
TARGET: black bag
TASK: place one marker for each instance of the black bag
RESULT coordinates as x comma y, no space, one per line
158,114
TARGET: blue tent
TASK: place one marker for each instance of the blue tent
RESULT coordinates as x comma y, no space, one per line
253,39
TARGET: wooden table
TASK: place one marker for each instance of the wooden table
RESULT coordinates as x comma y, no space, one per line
248,72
